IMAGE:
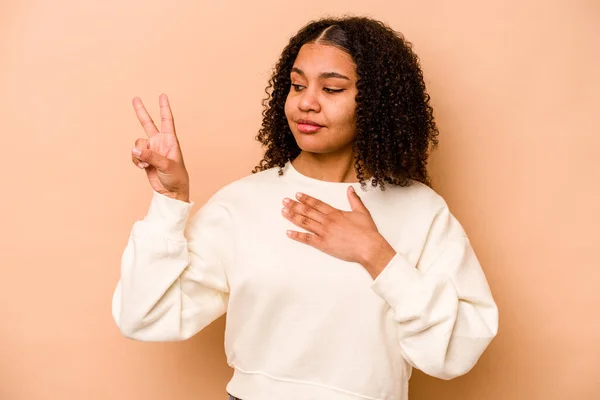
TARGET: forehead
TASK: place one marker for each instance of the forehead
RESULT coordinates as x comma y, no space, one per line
315,58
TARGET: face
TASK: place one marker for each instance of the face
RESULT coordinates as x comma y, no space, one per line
321,106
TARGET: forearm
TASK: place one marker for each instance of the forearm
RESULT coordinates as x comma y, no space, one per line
162,294
446,314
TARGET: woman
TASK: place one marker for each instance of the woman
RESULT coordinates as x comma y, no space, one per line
328,294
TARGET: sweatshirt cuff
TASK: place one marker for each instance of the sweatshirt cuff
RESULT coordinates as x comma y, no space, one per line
168,217
398,280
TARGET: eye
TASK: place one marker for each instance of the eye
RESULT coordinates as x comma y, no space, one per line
328,90
297,88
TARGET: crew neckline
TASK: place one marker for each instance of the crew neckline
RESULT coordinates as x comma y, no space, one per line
293,175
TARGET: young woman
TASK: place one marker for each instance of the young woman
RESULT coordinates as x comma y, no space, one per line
329,294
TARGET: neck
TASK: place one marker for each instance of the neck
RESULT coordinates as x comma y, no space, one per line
326,167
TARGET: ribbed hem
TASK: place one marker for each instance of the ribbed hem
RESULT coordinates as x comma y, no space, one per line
259,386
168,216
397,282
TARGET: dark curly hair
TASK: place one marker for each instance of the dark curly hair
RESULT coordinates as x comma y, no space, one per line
395,127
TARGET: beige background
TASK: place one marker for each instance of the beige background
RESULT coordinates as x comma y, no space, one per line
516,89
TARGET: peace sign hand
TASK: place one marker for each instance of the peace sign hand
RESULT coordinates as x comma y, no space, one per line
160,154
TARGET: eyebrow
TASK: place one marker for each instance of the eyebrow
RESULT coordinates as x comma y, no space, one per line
322,75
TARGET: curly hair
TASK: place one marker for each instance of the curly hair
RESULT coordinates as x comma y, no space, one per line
395,126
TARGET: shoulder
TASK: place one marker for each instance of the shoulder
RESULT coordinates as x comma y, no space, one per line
421,208
418,197
443,222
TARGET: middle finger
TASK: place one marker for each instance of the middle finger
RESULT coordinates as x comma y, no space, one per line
304,210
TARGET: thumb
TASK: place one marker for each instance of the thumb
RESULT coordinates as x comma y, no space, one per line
159,162
355,202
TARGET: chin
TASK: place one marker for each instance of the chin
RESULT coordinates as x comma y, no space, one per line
312,143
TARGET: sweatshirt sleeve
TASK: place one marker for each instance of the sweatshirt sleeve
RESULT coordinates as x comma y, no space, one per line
444,310
172,286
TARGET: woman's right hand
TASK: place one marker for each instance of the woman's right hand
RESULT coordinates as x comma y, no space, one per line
159,154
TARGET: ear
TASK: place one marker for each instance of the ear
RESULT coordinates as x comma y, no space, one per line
355,202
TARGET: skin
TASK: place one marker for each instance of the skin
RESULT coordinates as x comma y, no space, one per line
159,154
323,90
327,100
350,236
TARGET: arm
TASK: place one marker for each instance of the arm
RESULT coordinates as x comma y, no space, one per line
443,306
171,286
440,299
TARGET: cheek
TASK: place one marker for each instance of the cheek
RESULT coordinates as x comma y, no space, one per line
345,115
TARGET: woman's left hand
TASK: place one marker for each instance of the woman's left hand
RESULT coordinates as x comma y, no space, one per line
347,235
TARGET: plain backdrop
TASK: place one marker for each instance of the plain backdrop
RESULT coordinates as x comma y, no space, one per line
515,85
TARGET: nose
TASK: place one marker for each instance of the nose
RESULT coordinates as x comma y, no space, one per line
308,101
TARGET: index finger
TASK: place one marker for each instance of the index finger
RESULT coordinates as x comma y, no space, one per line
167,125
315,203
144,117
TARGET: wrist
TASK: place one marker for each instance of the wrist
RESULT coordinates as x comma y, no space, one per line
183,197
377,256
179,196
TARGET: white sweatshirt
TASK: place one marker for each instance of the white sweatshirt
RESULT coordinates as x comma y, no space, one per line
300,323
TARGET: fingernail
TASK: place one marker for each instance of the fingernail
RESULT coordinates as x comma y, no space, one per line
136,151
299,195
145,165
352,188
286,201
286,210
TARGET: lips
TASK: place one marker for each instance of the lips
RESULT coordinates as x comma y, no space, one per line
308,122
308,126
